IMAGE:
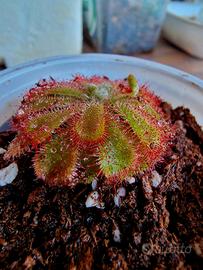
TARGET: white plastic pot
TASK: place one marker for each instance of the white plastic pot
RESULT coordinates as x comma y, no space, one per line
175,86
184,27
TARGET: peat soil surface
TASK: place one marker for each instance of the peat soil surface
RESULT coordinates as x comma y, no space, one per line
45,227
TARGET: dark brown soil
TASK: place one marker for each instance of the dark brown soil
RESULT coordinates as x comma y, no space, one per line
160,228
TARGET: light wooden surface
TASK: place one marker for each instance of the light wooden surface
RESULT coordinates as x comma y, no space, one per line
168,54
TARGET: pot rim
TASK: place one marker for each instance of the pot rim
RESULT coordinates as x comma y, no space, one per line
35,64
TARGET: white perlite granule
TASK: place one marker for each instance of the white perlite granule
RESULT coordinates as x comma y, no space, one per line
130,180
8,174
2,151
116,235
156,179
93,200
121,192
94,184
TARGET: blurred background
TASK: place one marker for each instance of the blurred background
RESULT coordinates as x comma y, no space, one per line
169,32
